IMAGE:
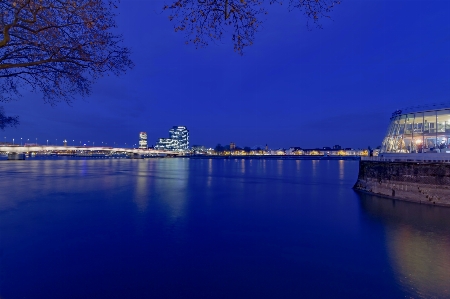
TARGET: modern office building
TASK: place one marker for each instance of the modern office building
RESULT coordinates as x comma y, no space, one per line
143,140
419,131
178,140
180,134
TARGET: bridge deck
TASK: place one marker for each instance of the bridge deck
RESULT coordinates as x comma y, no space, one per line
52,148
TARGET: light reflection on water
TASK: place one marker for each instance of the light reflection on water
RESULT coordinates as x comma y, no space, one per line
213,229
417,242
341,169
143,186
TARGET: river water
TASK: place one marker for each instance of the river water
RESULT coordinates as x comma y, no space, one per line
181,228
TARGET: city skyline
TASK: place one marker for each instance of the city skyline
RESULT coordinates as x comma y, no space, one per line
293,87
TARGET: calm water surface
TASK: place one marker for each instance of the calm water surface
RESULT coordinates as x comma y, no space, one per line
180,228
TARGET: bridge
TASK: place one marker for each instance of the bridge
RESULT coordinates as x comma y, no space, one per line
15,152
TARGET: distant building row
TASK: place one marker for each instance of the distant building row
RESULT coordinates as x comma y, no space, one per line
325,151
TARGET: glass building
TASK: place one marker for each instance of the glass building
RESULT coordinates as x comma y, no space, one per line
166,144
181,135
143,140
418,132
178,141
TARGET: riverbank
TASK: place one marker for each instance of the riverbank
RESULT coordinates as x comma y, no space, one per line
426,182
274,157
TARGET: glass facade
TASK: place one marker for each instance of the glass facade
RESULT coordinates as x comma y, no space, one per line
178,141
418,132
166,144
181,135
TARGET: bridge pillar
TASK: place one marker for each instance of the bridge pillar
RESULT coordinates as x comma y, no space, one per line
16,156
136,156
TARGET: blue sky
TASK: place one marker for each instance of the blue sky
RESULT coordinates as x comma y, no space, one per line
293,87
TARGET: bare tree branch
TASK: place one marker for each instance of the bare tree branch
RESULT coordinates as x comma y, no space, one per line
207,20
58,47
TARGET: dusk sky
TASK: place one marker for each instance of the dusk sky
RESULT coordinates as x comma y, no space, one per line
293,87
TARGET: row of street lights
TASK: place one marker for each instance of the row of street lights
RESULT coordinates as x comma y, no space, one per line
65,140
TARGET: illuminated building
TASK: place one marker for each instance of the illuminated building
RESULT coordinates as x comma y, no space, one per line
181,135
143,140
178,140
232,146
418,131
166,144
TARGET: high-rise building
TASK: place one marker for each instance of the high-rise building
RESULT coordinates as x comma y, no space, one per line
143,140
180,134
178,140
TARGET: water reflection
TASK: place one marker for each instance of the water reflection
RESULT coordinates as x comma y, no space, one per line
173,184
297,165
210,161
30,180
242,166
341,170
142,193
314,167
280,167
418,244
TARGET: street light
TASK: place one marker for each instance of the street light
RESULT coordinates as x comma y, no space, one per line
47,142
20,141
13,141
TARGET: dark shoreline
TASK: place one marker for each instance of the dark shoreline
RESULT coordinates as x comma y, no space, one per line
274,157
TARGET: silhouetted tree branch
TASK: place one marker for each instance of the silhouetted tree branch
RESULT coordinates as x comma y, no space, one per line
7,121
204,21
59,47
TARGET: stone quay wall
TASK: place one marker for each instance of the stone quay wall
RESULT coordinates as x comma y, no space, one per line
427,183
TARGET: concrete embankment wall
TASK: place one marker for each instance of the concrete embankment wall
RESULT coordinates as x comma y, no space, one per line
427,183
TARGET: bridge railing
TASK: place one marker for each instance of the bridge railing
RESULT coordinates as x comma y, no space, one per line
53,148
